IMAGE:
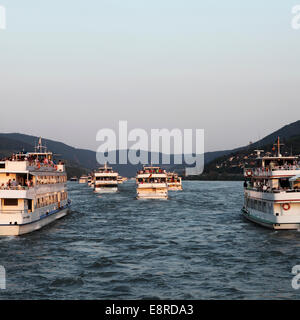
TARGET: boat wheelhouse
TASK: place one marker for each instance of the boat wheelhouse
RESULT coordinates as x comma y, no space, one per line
272,191
174,181
33,191
152,183
105,180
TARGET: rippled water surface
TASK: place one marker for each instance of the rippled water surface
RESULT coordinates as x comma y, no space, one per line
194,246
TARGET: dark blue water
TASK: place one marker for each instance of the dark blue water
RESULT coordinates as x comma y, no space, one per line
194,246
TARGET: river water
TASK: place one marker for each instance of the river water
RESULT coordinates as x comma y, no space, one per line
196,245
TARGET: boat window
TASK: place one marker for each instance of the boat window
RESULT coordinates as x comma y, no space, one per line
10,202
284,183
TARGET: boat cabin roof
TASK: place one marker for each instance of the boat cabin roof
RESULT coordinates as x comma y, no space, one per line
278,160
105,169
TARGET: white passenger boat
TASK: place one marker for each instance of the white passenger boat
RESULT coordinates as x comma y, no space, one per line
83,179
152,183
272,191
90,180
33,192
121,179
174,181
105,180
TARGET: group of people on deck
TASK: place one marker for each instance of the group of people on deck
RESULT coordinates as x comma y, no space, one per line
13,184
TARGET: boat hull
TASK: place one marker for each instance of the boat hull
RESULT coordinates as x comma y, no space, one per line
17,230
175,188
106,190
269,224
152,195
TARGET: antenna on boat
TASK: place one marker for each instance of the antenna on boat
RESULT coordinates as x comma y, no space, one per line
278,144
39,147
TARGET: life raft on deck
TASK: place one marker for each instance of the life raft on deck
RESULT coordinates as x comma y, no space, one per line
248,173
286,206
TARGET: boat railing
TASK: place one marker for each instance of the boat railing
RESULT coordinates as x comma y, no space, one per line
291,167
151,182
267,171
39,183
15,188
274,190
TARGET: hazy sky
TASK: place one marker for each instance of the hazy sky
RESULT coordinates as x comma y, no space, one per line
71,67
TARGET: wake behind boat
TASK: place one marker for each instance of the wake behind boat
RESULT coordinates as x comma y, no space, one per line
272,191
33,192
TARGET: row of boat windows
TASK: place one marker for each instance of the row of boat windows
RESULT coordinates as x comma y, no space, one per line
260,205
40,202
106,179
21,180
47,200
152,180
50,179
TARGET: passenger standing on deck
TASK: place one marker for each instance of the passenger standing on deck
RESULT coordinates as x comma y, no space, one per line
14,183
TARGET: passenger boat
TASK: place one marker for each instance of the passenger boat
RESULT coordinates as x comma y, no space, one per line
105,180
74,179
83,179
33,192
272,191
121,179
152,183
174,181
90,180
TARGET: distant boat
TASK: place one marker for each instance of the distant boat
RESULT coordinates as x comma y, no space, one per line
83,179
90,180
33,192
74,179
152,183
174,181
272,191
121,179
105,180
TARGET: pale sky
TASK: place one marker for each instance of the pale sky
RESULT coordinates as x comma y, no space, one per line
71,67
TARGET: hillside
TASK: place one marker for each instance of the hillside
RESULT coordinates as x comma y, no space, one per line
78,160
230,166
219,165
79,157
12,143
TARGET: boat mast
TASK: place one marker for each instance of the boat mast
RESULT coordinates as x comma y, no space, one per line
39,147
278,146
